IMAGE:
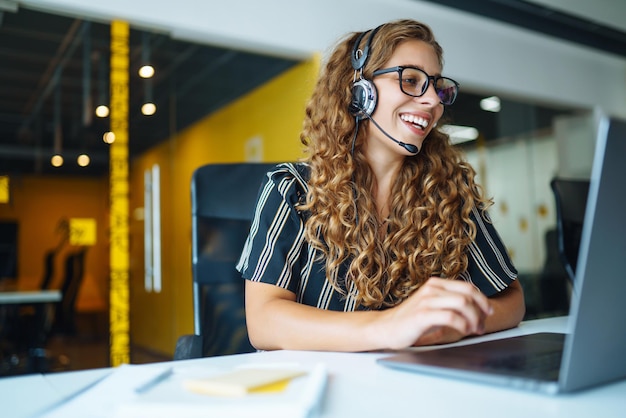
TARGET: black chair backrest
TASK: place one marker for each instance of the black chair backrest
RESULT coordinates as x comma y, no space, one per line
48,268
570,196
223,197
65,316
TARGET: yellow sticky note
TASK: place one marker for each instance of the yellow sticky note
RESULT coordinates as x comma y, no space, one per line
244,381
82,231
272,387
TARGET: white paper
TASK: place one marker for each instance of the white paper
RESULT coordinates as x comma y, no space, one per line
300,399
157,390
101,400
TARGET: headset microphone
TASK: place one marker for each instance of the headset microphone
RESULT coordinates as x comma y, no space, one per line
413,149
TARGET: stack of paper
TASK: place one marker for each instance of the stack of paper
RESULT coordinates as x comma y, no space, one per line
245,381
176,390
263,391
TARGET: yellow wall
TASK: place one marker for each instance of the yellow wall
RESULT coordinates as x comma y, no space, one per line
274,113
38,204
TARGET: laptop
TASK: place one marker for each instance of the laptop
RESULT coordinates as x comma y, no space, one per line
591,353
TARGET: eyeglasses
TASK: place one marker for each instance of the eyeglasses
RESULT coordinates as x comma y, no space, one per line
414,82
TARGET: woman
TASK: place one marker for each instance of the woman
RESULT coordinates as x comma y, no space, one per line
380,240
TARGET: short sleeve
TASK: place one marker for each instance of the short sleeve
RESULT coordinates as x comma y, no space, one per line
272,250
489,265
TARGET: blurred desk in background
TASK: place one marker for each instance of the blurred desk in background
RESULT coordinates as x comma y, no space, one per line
25,320
13,297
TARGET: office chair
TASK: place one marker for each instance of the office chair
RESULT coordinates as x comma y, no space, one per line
48,269
571,200
223,197
33,324
554,281
65,314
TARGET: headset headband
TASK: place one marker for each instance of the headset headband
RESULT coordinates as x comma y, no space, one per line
358,61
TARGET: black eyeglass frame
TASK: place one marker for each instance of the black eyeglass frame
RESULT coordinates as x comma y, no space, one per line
434,78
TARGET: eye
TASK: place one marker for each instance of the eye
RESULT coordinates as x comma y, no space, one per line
413,80
410,81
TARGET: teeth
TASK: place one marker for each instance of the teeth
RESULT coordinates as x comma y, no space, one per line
415,120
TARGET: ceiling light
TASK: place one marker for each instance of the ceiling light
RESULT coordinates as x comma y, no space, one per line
108,137
490,104
148,109
146,71
459,134
102,111
56,160
83,160
58,129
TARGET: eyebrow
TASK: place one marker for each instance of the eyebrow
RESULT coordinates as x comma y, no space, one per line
437,74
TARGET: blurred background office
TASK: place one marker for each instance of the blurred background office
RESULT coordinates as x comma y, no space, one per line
229,83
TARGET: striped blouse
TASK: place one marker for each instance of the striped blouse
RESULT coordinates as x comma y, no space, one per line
276,251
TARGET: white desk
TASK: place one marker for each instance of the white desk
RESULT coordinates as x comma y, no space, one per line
359,387
29,296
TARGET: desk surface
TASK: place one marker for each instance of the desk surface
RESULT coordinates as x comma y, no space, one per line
359,387
29,296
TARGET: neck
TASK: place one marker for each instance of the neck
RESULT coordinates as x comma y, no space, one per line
381,194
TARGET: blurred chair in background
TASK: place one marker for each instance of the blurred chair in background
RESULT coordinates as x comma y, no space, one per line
65,314
554,282
570,196
25,328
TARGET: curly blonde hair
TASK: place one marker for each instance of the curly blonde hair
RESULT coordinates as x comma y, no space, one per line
429,227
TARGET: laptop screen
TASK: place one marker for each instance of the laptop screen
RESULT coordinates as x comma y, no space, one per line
597,340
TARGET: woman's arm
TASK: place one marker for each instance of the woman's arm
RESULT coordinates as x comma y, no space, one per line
276,321
508,308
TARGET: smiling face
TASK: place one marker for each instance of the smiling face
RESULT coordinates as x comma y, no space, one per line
407,119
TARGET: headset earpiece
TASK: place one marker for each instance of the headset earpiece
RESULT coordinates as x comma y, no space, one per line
364,95
364,99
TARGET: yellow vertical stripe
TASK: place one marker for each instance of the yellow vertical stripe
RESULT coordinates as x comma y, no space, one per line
4,189
118,171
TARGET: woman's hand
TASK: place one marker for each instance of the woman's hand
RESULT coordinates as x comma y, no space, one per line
440,311
439,335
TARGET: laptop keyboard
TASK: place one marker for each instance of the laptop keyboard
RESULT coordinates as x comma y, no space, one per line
535,364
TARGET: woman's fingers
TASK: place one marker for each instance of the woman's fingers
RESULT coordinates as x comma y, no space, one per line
456,310
442,304
457,287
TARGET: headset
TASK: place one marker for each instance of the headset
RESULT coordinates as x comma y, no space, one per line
364,94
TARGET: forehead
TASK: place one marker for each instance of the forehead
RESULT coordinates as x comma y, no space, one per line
416,53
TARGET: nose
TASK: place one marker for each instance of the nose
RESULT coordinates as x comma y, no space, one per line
430,97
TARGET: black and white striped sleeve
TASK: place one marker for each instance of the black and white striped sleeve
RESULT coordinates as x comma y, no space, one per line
489,266
272,250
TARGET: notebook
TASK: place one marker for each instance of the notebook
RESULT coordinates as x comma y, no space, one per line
591,353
